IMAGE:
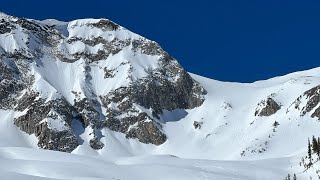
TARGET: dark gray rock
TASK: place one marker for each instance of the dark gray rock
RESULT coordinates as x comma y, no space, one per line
108,73
267,107
39,110
146,130
45,34
159,93
141,126
146,47
313,99
86,110
313,96
50,139
197,124
96,144
10,84
109,48
25,101
106,25
5,27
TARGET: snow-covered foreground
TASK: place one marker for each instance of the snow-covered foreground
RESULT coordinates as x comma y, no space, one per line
33,164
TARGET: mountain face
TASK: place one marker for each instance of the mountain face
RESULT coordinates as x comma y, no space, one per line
110,98
92,71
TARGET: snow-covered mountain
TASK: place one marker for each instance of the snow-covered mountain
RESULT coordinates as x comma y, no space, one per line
117,102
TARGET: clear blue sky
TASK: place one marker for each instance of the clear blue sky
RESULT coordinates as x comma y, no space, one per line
229,40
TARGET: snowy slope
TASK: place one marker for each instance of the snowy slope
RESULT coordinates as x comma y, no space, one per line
82,71
21,163
225,142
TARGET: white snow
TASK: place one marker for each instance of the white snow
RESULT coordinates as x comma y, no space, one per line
23,163
57,123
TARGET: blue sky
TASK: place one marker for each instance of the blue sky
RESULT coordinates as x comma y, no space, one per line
229,40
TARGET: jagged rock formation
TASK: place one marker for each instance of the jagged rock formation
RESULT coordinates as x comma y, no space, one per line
267,107
308,102
92,71
49,121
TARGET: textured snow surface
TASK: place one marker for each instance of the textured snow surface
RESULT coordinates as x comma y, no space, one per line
31,164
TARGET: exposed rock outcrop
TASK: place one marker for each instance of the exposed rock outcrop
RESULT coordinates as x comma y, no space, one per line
49,121
197,124
103,77
95,143
146,130
267,107
153,92
308,102
63,140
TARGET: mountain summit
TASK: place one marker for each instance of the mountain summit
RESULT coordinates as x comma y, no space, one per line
91,72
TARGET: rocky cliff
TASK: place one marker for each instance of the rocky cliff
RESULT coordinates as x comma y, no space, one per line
91,71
